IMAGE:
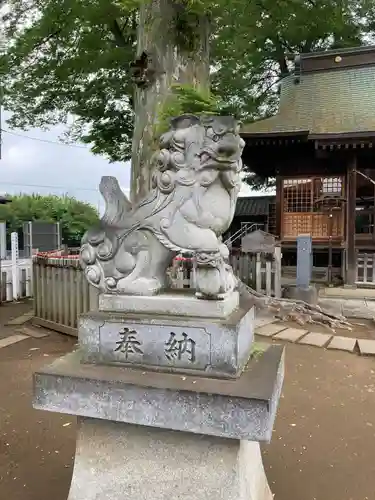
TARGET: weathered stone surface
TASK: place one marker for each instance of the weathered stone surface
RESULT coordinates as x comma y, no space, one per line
357,309
37,333
20,320
370,304
244,408
174,304
348,292
216,347
264,320
366,347
290,334
195,183
115,460
331,305
269,330
342,344
316,339
308,294
13,339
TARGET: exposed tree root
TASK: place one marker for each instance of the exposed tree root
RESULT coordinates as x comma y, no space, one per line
298,311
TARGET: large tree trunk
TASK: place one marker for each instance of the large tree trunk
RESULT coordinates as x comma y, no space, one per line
173,65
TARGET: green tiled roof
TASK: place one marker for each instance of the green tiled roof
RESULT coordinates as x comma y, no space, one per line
327,102
253,205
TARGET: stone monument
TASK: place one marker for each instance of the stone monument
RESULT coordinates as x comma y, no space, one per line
171,402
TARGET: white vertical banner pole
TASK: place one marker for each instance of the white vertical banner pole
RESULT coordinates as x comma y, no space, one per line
3,241
15,257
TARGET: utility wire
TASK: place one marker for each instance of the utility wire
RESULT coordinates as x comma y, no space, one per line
44,140
68,188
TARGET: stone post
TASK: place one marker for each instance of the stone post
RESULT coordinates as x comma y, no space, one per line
170,401
303,290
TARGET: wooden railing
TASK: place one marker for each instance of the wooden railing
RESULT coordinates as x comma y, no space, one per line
260,271
61,292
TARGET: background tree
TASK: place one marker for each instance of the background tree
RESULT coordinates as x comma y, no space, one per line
75,216
66,59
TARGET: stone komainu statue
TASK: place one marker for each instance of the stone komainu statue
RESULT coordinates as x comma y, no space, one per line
195,184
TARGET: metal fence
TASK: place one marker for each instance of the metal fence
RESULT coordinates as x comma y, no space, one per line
61,292
41,236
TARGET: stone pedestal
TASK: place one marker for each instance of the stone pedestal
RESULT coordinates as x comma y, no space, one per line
169,406
116,461
174,332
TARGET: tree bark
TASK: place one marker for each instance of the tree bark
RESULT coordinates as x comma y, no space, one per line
173,65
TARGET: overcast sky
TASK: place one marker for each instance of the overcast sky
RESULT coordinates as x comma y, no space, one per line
35,166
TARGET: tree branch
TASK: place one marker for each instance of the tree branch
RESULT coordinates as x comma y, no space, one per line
117,33
46,39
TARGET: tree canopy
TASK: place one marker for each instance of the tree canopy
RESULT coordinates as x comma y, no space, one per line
75,216
64,58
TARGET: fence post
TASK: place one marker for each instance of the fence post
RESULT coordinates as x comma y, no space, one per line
268,277
258,273
15,256
277,282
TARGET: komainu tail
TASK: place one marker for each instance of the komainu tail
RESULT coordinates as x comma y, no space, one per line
117,204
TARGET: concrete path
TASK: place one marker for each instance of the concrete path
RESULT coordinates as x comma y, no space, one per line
356,303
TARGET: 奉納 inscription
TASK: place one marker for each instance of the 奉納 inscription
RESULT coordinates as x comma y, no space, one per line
156,344
128,343
175,347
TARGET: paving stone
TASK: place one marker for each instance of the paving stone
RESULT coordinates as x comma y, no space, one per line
263,321
269,330
291,334
12,340
37,333
316,339
366,347
20,320
342,344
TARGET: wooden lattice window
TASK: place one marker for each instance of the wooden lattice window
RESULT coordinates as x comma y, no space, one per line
308,195
313,206
297,194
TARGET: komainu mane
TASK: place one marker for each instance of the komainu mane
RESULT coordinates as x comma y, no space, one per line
195,184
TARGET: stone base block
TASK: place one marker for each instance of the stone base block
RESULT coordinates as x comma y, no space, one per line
308,294
242,408
178,303
121,461
212,346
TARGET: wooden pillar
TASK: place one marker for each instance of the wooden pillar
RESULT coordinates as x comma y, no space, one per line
351,187
279,205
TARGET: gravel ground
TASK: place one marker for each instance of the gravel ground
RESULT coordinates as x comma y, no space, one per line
322,447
